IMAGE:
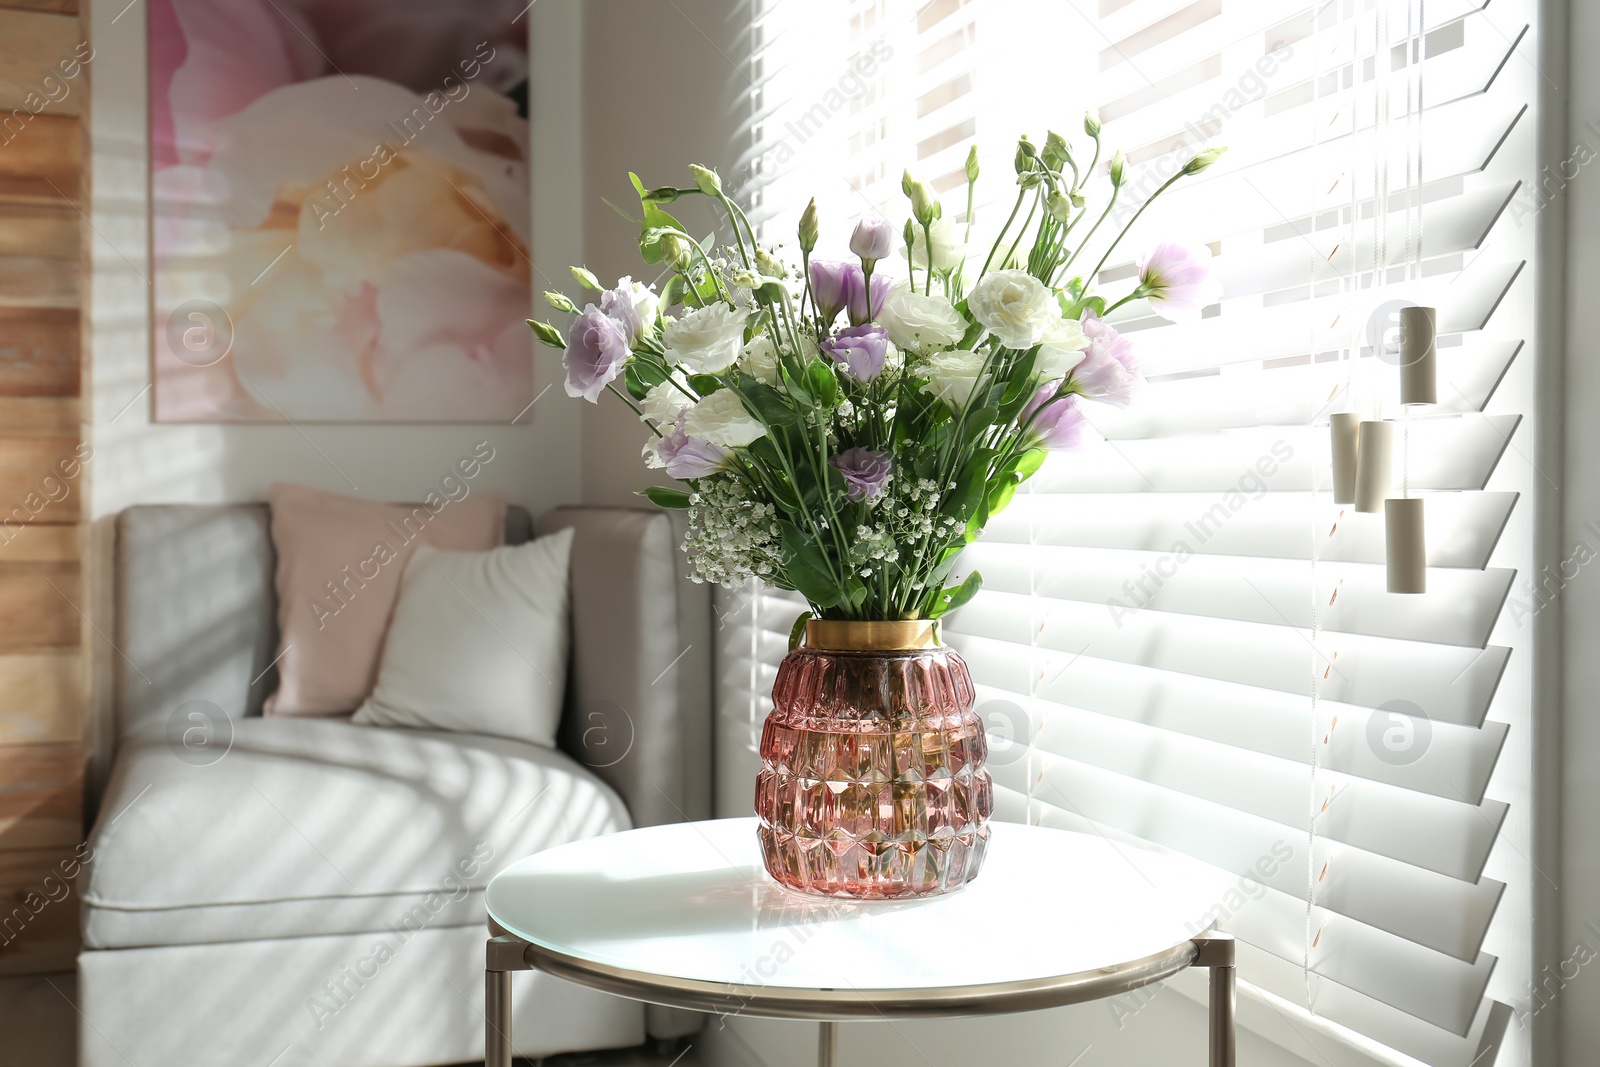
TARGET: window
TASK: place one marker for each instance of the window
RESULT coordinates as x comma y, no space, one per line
1182,641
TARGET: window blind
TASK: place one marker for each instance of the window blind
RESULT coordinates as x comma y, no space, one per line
1182,641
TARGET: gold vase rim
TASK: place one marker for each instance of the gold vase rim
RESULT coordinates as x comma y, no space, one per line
850,635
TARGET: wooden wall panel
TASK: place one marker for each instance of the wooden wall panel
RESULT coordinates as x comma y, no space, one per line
39,902
33,282
43,162
39,605
38,542
44,86
39,416
41,796
39,350
25,495
35,43
41,697
50,231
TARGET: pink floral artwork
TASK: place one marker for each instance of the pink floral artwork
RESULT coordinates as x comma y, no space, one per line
339,209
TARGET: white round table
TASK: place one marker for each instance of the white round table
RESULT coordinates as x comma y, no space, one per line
685,915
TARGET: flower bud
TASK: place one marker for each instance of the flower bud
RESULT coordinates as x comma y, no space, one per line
808,227
1203,160
583,277
871,239
1119,168
910,233
664,195
972,164
560,302
769,265
673,252
1023,160
547,334
925,205
1056,150
1091,125
1060,206
707,180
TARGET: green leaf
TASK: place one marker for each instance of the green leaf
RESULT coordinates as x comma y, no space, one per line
807,569
798,630
662,497
1027,464
767,402
641,376
583,277
630,378
547,334
1021,383
821,383
672,293
1000,494
705,384
971,484
1073,306
952,597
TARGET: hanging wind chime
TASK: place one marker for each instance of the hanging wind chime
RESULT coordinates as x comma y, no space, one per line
1363,448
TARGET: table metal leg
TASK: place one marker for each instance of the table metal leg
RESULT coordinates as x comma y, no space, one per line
827,1044
497,1019
1216,951
502,955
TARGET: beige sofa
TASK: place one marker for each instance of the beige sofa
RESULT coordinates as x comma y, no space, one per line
294,892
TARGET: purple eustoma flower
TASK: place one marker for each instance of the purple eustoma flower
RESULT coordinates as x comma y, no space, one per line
1109,370
866,473
596,350
872,239
860,349
828,286
687,458
1058,421
1178,280
865,306
628,308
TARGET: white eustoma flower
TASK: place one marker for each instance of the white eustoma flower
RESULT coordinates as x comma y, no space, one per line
1062,349
761,360
706,340
646,303
948,250
663,403
952,375
1017,307
721,419
917,321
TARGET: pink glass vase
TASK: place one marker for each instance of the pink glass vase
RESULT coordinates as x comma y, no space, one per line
872,778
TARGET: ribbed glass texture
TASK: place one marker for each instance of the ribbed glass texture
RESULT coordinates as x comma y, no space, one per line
872,779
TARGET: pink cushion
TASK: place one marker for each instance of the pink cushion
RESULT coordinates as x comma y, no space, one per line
339,565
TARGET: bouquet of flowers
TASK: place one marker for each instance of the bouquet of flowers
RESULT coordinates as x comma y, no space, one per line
845,433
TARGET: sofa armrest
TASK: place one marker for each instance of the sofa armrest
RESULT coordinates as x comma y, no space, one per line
638,709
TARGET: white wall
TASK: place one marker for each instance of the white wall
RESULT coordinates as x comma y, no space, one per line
661,90
137,461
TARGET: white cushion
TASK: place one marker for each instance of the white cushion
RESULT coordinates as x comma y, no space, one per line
478,643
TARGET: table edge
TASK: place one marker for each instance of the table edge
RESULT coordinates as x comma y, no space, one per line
723,998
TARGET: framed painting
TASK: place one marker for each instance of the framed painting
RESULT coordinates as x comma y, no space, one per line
339,210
